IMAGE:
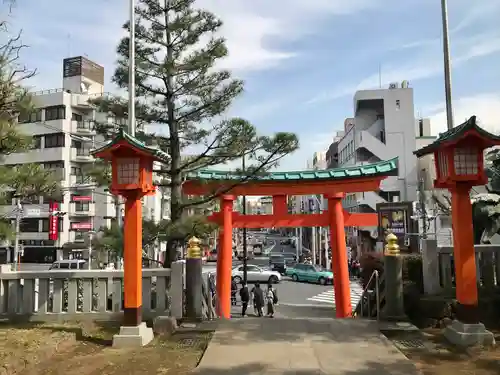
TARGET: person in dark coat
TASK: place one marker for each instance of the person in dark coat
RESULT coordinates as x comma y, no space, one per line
234,290
245,298
258,299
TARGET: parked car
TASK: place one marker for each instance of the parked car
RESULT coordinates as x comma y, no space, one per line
310,273
278,263
256,274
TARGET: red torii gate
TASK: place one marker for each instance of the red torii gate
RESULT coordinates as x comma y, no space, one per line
333,184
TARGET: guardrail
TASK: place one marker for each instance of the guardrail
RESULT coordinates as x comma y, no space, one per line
372,299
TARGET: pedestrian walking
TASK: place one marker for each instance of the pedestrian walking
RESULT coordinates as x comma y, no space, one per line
258,299
271,300
245,298
234,290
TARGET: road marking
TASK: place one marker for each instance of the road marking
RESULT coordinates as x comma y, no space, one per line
328,297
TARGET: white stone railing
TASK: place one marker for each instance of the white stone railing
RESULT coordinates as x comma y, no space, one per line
81,294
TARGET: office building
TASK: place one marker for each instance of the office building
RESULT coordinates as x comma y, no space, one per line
64,133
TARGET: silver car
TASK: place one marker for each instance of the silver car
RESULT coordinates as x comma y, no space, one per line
256,274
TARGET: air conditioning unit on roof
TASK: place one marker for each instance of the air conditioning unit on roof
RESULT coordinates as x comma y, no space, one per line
393,86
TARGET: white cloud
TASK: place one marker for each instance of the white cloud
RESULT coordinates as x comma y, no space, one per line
428,64
485,106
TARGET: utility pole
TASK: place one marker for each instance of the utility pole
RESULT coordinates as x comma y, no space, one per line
19,215
245,252
447,65
92,221
131,71
422,208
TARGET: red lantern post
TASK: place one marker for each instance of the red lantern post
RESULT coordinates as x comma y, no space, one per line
459,162
132,178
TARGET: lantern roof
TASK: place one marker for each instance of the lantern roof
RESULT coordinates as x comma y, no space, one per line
458,133
122,139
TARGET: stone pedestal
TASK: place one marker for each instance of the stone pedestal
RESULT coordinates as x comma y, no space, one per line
430,267
133,337
393,272
466,335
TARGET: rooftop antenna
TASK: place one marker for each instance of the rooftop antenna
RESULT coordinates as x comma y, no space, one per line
380,76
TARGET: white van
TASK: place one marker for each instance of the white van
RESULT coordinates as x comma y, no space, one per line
69,264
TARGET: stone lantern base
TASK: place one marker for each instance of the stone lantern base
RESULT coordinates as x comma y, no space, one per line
133,337
466,335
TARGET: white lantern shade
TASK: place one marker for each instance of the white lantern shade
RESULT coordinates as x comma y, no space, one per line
128,171
466,161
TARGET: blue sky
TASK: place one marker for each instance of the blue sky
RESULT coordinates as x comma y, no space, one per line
302,60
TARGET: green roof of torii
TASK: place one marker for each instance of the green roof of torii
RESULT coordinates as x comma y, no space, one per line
380,169
455,134
123,136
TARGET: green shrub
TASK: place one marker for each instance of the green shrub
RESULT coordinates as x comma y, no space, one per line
412,270
370,262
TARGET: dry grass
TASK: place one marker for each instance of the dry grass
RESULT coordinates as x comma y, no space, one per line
445,359
85,349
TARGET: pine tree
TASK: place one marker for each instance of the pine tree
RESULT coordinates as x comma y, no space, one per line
27,180
180,89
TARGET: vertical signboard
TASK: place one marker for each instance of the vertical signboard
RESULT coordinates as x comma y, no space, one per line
395,218
53,221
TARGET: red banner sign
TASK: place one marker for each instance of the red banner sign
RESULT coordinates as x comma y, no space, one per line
84,225
81,198
53,221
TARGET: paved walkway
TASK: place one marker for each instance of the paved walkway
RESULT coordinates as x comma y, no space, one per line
285,346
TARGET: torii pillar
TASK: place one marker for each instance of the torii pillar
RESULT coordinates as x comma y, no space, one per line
341,284
225,258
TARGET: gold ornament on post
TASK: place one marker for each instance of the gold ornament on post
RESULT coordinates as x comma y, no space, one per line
392,246
194,250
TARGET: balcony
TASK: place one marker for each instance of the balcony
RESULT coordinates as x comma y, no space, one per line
80,101
81,155
83,128
83,182
81,209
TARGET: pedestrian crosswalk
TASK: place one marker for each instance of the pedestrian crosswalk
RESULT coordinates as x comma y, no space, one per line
328,297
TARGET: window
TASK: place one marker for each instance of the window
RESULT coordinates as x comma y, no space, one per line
55,113
29,225
420,128
54,140
76,144
398,105
54,165
37,142
76,117
35,116
76,171
74,266
64,266
251,268
79,236
45,225
82,206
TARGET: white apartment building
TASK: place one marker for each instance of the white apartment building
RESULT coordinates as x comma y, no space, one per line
63,129
383,127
